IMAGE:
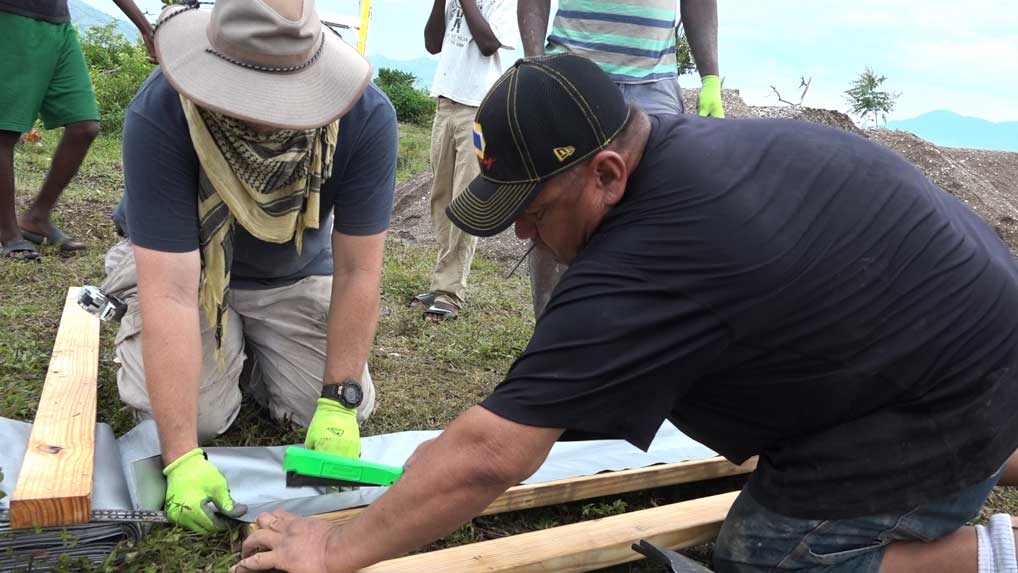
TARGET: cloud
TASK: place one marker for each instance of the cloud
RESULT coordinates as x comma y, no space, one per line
973,59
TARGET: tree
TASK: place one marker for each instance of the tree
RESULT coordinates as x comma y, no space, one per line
117,67
866,99
392,77
412,104
683,55
804,84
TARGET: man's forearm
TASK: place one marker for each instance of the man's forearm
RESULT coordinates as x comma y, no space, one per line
130,9
353,318
172,352
480,30
532,16
700,19
446,482
434,30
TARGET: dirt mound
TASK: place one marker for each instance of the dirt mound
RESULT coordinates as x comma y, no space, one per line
736,108
1000,168
732,100
986,180
828,117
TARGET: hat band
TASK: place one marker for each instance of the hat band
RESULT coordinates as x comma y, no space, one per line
272,69
184,7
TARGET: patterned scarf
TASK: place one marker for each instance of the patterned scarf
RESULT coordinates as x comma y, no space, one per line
269,182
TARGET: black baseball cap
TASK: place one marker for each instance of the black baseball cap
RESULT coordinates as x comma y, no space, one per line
541,117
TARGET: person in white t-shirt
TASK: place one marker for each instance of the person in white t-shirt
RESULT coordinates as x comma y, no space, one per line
469,35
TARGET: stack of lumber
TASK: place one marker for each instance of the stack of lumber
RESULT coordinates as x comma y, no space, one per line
590,545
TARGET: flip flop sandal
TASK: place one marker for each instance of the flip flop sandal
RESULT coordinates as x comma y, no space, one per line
20,250
424,299
440,311
57,238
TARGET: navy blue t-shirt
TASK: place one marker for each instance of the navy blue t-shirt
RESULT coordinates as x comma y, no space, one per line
159,210
790,290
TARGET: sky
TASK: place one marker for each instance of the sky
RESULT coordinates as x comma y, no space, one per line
938,54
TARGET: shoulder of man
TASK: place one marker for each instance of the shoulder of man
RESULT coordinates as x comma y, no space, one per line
158,102
371,110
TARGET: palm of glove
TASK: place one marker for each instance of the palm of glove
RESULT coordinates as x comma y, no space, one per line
333,430
710,103
196,491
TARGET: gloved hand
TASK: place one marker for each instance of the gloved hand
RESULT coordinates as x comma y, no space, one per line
710,97
196,491
334,430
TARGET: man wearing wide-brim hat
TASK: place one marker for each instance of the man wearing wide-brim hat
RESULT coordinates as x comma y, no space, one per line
260,166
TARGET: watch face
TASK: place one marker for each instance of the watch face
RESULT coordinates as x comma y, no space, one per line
351,394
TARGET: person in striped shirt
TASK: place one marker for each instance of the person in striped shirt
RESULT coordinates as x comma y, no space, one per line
633,41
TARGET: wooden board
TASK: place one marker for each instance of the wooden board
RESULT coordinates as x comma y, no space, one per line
585,487
55,482
578,547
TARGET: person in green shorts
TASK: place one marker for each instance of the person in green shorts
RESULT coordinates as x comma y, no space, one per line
45,74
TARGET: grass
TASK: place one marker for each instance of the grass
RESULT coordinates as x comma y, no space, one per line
414,145
453,365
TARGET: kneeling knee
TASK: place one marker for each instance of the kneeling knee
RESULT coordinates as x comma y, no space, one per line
82,131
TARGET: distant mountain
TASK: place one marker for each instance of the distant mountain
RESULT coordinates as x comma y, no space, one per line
949,129
85,16
422,68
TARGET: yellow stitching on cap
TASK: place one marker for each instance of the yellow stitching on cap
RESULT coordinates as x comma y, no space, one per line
582,104
571,89
483,215
528,159
512,132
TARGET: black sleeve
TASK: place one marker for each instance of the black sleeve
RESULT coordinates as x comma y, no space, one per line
161,186
363,204
610,357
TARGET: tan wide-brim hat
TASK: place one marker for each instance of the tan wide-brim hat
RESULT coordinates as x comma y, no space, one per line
270,62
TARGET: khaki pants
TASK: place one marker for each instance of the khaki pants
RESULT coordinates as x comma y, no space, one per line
281,331
454,164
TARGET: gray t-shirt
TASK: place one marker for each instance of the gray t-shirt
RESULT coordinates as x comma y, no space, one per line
54,11
159,210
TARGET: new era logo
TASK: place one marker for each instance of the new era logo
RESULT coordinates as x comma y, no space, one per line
563,153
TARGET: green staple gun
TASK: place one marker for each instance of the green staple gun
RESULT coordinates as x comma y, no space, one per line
306,467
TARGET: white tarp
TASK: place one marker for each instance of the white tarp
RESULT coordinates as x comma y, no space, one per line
128,475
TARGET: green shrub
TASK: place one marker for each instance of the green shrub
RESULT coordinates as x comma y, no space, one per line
117,67
412,104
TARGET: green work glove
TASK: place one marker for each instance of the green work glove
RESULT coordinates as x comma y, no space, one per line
196,491
334,430
710,97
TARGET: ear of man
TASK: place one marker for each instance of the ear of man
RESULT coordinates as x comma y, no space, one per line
609,172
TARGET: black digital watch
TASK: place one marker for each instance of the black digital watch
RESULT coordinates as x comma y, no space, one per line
347,393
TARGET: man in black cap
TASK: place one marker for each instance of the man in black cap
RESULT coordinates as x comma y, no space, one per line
772,287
